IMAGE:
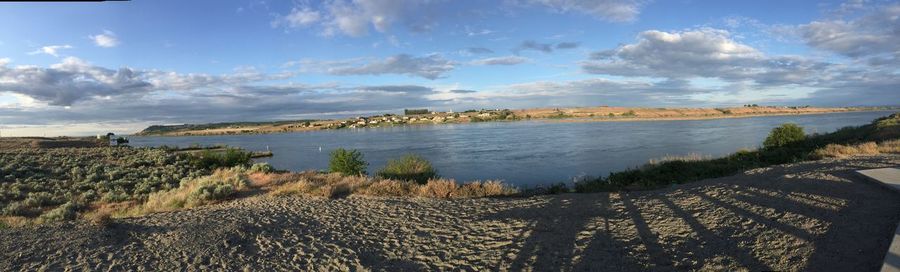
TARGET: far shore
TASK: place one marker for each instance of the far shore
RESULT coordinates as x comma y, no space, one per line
565,115
691,118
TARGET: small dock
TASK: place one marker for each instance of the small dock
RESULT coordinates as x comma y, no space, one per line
890,178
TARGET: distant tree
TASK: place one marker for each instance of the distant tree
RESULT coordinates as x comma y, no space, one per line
415,111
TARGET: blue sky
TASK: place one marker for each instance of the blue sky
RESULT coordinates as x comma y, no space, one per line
83,68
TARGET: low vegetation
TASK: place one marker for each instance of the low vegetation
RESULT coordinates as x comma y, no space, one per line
222,184
784,135
867,148
335,185
410,167
34,182
98,184
408,176
347,162
214,159
785,144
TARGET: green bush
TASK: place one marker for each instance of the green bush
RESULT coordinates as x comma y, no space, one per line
410,167
784,135
262,168
347,162
35,180
214,159
67,211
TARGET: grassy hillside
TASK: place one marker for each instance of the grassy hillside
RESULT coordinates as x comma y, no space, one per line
164,129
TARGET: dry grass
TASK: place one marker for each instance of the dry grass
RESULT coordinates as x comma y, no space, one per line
229,182
892,146
15,221
867,148
687,158
439,188
337,186
100,218
486,189
222,184
390,187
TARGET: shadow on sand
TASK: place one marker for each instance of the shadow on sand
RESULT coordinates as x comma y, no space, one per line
827,221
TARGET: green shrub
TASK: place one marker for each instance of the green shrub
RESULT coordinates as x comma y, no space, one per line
36,180
214,159
784,135
222,184
67,211
262,168
410,167
347,162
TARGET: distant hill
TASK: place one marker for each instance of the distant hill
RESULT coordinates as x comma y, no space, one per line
167,129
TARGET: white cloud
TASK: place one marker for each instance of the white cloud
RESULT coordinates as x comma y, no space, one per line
106,39
299,17
544,47
430,66
609,10
877,32
693,53
52,50
507,60
69,81
356,18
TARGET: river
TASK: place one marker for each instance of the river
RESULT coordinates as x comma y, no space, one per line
524,153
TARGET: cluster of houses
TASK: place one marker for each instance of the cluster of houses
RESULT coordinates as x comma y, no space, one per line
410,117
395,120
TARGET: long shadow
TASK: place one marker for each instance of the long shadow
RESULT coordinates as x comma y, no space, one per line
731,248
871,212
796,232
857,234
649,239
550,244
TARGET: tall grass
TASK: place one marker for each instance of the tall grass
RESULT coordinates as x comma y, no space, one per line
867,148
410,167
223,183
337,186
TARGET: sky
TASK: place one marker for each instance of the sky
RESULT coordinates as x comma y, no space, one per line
88,68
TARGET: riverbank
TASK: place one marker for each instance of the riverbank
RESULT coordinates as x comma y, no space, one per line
690,118
580,114
792,217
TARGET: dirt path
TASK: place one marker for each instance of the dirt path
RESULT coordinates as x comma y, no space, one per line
815,216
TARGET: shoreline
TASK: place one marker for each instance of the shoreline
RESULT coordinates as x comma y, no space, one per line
574,119
694,118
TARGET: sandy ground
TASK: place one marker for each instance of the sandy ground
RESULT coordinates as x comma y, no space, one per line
816,216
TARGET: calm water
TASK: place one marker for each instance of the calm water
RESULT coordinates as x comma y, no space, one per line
524,153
